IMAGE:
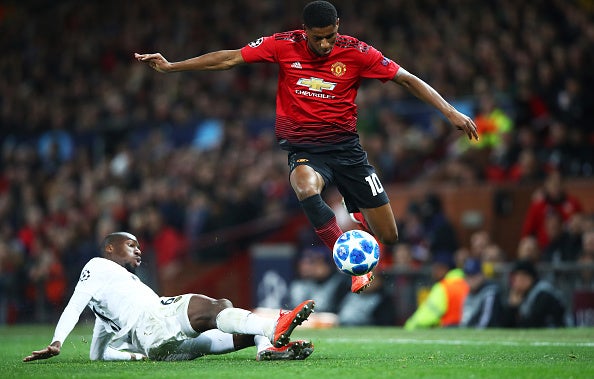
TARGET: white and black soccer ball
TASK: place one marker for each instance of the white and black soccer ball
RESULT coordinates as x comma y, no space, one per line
356,252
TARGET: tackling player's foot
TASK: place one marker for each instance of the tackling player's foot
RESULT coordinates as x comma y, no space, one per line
294,350
359,283
289,320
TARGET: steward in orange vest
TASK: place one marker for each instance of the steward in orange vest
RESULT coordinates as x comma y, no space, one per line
443,306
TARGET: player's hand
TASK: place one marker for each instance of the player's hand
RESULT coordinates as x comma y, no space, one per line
50,351
156,61
464,123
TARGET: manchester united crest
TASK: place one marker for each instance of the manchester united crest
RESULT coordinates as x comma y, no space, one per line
338,69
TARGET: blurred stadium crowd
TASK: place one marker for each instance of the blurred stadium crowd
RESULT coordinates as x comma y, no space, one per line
92,141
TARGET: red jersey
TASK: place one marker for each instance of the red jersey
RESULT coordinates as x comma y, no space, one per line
535,221
315,101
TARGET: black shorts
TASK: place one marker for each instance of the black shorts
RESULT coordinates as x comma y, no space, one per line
350,171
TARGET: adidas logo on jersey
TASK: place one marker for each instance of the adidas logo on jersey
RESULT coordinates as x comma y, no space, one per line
296,65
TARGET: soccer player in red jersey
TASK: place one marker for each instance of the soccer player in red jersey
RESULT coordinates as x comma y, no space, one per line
316,116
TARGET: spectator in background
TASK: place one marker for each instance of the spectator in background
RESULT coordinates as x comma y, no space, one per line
571,102
439,233
564,240
47,280
404,259
427,229
483,248
587,243
581,162
483,307
495,129
443,305
461,255
406,280
528,250
532,303
517,159
318,278
551,197
412,233
493,256
11,261
527,169
372,307
558,153
32,226
169,246
479,241
585,278
492,123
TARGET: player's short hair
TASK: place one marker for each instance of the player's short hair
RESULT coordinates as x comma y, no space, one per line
319,14
116,237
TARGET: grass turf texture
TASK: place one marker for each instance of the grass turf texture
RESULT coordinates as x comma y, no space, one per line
340,352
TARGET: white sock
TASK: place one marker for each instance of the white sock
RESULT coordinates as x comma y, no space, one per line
262,343
210,342
237,320
214,341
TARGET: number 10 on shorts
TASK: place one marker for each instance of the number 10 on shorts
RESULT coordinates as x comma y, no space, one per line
374,184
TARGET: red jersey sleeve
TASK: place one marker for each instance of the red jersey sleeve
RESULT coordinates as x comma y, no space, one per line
379,67
261,50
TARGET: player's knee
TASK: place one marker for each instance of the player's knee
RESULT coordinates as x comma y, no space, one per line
306,182
305,190
389,238
304,193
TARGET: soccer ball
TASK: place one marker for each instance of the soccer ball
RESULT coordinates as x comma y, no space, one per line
356,252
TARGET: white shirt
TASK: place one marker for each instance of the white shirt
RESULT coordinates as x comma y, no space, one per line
116,296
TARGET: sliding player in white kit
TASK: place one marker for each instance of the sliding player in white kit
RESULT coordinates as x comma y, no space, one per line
133,322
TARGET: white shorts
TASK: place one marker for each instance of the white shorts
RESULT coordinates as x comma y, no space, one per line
160,331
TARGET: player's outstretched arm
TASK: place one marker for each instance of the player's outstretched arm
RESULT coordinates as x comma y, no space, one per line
215,61
50,351
428,94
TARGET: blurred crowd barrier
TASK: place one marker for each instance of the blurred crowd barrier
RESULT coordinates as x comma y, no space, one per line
574,281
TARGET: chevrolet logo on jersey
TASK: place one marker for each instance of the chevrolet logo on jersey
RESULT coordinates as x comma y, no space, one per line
316,84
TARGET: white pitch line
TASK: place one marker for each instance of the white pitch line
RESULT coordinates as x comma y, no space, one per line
460,342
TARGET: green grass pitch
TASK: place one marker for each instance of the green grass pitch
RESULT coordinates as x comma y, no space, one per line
340,353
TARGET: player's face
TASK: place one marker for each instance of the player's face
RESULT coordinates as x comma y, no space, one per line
321,40
127,253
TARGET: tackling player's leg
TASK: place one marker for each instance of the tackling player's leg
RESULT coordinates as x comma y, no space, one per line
205,313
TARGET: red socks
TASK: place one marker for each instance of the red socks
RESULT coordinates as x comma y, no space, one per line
329,232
